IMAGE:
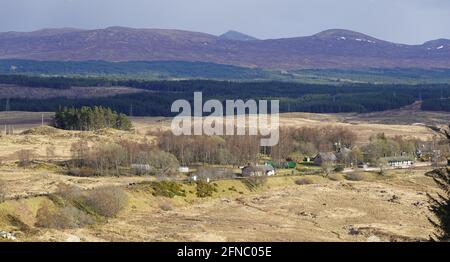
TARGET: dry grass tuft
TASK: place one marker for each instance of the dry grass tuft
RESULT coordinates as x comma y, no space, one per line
336,177
305,181
359,176
42,130
165,206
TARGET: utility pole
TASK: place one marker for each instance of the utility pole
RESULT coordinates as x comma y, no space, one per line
42,119
7,107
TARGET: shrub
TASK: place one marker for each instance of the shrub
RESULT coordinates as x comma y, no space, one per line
339,168
61,218
305,181
168,189
18,223
68,192
82,172
252,183
358,176
50,152
232,189
106,201
205,189
336,177
2,191
165,206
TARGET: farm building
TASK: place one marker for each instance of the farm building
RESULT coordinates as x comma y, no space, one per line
328,157
183,169
250,171
399,162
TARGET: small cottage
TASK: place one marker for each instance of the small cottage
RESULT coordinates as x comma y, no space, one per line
251,171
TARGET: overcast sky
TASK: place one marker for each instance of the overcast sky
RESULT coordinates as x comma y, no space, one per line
403,21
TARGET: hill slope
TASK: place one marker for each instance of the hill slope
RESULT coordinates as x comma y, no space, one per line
328,49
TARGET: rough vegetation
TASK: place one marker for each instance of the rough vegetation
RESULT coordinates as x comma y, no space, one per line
305,181
358,176
168,189
2,191
253,183
205,189
106,201
61,218
72,207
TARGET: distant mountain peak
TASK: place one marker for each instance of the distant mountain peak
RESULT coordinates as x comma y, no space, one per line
438,43
238,36
342,34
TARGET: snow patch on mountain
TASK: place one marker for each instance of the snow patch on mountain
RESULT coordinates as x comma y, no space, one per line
365,40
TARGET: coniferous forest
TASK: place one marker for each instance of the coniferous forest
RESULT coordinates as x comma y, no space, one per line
157,96
90,118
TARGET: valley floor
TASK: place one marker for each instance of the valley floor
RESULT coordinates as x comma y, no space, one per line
394,208
390,209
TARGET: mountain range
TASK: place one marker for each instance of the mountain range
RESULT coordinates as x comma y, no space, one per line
335,48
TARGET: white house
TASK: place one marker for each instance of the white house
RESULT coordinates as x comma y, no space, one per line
399,162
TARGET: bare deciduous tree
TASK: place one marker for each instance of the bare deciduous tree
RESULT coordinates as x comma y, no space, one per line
327,168
25,157
79,152
50,152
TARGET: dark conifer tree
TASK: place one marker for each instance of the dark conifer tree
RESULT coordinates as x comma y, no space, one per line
440,205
